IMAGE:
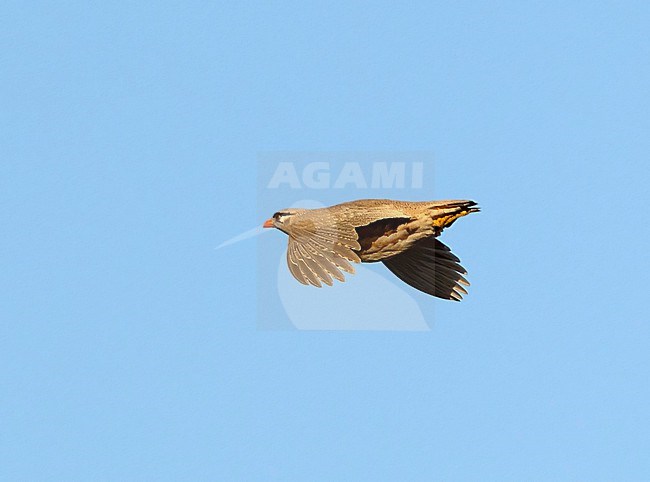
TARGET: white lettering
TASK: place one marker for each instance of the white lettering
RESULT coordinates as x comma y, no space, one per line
316,175
351,174
387,176
284,173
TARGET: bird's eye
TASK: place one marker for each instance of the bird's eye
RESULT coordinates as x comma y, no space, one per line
280,216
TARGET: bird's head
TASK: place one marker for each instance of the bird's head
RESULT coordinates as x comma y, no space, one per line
282,219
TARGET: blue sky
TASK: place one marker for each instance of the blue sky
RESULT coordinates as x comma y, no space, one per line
130,134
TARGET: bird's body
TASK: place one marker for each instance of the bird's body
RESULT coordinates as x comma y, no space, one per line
401,234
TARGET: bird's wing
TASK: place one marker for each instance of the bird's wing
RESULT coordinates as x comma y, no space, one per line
365,212
320,247
431,267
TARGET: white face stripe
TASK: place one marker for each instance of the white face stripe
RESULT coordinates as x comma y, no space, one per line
283,216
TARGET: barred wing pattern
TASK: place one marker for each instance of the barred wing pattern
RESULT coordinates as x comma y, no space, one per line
320,248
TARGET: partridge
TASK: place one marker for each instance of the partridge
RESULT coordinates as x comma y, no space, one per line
323,242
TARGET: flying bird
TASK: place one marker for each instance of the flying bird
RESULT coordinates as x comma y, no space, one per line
401,234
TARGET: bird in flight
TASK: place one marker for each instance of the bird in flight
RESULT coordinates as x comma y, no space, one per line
401,234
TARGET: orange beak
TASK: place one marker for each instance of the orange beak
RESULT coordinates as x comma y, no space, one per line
268,223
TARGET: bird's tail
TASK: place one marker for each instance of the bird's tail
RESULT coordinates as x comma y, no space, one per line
444,213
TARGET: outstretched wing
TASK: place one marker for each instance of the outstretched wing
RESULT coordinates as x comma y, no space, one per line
431,267
320,248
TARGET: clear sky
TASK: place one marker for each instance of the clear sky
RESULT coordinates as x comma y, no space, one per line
130,136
